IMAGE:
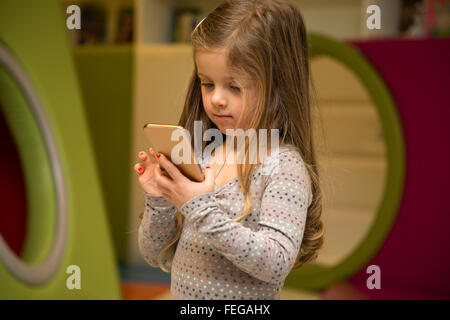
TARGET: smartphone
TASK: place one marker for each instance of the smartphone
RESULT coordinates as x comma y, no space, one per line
160,139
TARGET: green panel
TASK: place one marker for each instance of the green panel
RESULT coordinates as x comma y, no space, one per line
105,75
35,33
317,277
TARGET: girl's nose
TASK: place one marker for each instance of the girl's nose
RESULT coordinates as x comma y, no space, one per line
218,99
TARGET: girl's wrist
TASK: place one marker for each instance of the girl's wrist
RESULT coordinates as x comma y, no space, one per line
197,202
157,201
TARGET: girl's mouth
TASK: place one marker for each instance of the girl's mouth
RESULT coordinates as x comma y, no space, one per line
222,117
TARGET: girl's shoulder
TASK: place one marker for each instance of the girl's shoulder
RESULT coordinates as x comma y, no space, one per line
286,166
287,157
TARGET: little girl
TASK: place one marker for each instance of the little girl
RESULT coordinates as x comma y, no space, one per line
239,232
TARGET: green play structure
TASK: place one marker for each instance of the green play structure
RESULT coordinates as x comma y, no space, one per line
105,75
67,221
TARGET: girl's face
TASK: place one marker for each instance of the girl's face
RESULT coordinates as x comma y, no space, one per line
222,97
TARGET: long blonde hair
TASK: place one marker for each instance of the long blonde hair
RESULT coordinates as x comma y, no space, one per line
265,40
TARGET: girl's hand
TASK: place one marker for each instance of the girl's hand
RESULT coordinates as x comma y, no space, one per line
146,172
178,189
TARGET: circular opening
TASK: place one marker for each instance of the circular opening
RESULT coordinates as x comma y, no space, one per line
44,189
352,156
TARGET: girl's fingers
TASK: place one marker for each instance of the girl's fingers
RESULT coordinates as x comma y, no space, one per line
163,182
152,156
170,168
138,168
144,158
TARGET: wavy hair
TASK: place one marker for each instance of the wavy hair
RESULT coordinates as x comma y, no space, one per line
266,41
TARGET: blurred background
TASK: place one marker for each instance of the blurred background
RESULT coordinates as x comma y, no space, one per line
73,103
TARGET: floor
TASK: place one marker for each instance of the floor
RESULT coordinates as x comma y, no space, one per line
145,283
150,291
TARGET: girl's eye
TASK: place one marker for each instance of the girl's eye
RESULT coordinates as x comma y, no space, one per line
210,85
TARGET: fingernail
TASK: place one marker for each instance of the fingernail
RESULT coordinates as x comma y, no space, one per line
140,170
207,167
158,155
141,155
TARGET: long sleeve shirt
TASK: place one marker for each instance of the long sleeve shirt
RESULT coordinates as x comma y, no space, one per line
218,258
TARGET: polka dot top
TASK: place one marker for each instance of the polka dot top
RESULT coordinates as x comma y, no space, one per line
218,258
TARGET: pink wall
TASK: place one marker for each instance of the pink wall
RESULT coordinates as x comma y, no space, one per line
415,258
